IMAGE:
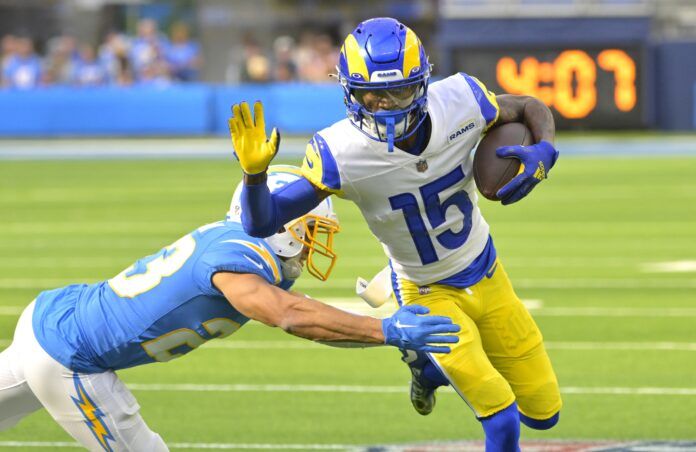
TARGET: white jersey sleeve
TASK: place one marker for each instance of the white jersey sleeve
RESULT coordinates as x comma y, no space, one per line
422,208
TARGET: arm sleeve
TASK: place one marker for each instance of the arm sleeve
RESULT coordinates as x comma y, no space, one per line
263,212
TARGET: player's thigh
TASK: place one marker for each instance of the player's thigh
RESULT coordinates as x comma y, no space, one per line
467,367
514,345
16,398
95,409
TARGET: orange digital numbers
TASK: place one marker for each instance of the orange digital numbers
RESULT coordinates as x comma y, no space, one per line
624,77
568,83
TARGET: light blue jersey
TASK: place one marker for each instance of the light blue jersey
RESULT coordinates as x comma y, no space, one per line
158,309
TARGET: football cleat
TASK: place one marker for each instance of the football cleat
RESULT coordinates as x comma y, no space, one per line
422,397
422,394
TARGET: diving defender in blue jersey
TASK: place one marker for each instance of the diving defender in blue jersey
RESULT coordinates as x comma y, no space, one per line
206,285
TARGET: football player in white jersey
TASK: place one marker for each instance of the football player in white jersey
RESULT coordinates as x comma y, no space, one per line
207,285
404,156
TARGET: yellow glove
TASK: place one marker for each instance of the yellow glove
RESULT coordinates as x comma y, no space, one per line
251,147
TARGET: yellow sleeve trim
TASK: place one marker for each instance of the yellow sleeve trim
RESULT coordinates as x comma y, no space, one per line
313,170
264,254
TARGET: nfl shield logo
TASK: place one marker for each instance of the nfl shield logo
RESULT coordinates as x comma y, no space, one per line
421,166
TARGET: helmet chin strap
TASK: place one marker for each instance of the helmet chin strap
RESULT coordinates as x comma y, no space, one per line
390,133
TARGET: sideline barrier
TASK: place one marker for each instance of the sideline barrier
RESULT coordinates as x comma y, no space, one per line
55,111
297,108
175,110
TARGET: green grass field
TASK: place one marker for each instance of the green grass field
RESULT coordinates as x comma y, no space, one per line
621,331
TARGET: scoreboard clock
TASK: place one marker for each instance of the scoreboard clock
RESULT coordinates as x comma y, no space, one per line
597,87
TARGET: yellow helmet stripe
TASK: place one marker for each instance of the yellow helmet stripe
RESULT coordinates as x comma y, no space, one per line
356,63
411,52
264,254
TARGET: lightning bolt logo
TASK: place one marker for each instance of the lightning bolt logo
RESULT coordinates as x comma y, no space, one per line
92,415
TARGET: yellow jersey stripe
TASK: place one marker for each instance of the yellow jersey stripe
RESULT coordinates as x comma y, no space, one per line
491,99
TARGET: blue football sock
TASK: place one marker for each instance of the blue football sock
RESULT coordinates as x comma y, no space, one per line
540,424
503,430
432,376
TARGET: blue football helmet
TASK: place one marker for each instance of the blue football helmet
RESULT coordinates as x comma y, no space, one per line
384,72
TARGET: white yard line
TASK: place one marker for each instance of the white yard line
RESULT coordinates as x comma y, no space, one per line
11,310
238,446
642,346
231,344
358,389
291,344
530,283
349,261
614,312
685,266
354,305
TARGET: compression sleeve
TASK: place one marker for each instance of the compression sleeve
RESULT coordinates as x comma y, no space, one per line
263,212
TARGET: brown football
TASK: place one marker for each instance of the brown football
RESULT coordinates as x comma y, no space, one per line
492,172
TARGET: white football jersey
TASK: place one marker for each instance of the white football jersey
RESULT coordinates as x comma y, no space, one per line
423,209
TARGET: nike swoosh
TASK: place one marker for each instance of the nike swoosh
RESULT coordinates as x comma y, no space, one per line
398,324
310,164
259,265
490,273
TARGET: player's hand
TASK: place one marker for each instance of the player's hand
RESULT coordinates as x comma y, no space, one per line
251,147
537,160
411,329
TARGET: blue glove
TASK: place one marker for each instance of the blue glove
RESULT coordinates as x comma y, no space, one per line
537,160
408,328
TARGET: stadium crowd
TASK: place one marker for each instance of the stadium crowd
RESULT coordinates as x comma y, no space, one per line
152,58
310,59
147,58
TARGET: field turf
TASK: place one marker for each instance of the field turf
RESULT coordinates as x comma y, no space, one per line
583,250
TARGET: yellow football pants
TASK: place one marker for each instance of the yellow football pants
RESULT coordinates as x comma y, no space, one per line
500,356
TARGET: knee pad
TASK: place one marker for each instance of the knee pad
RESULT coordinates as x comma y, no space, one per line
502,430
540,424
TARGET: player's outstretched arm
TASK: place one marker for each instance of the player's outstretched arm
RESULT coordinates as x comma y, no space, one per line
408,328
264,213
536,159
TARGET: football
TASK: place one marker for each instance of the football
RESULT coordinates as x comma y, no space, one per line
492,172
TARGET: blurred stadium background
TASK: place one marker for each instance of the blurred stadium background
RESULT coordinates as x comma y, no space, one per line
113,143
